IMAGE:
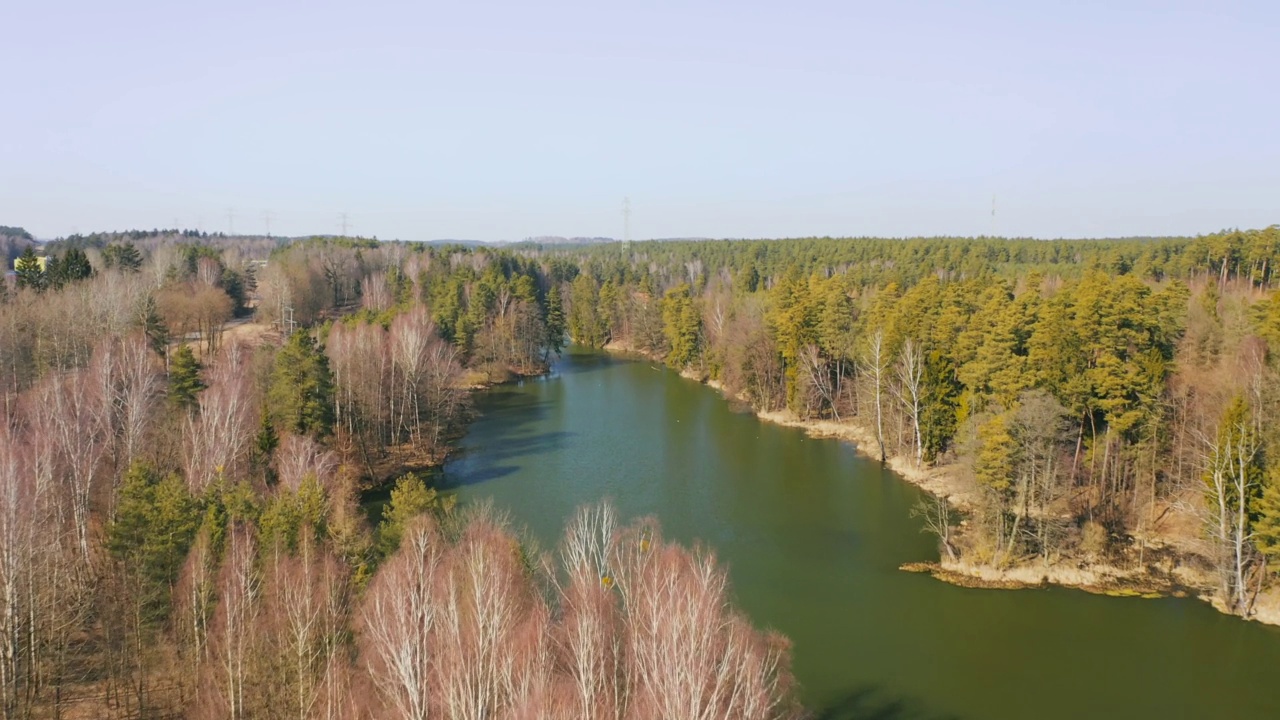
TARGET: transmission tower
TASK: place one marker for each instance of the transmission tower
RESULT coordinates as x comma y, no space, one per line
266,220
231,221
342,219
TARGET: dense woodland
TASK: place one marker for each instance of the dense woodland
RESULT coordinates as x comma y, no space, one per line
188,425
189,422
1096,395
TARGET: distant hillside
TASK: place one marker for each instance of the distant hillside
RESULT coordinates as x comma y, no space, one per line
16,232
13,240
447,241
558,240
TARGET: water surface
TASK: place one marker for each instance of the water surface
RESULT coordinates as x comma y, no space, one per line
813,535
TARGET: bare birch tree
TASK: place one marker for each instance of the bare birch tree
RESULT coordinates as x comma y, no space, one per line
910,372
875,366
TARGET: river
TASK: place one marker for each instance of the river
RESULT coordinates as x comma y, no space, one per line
813,534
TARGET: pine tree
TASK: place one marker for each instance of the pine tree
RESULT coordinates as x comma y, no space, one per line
409,498
747,280
587,325
72,267
682,326
994,466
124,256
29,273
555,321
264,447
155,522
1267,525
153,326
300,396
184,377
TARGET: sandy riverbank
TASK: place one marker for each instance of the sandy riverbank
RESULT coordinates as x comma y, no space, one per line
946,481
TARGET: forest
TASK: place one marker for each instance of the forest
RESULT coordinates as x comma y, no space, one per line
191,429
1097,403
191,425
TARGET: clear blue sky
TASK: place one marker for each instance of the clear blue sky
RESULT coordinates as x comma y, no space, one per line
496,121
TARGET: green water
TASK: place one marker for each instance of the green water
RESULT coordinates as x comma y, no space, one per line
813,534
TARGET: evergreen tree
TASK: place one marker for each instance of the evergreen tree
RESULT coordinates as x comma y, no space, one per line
587,324
409,498
555,321
747,280
300,395
290,518
29,273
264,447
941,401
993,467
72,267
53,273
611,313
155,522
153,326
682,326
1267,525
184,377
124,256
233,284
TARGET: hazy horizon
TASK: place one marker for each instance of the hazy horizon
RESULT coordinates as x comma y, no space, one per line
497,122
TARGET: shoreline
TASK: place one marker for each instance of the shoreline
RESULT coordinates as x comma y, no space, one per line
943,481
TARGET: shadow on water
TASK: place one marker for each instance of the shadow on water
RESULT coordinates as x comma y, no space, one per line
870,702
513,409
478,464
577,362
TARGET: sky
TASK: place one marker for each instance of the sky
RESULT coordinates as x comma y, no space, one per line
499,121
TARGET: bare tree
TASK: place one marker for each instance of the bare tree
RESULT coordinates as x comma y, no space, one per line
375,294
15,558
194,600
233,638
875,366
218,437
592,636
131,383
70,419
1232,478
399,619
299,456
690,655
910,378
935,512
306,604
817,381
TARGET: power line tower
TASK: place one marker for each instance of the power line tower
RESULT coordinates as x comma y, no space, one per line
266,220
993,215
342,220
231,221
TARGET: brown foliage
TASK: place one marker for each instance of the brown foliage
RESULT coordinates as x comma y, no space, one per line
195,307
396,390
218,437
644,629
